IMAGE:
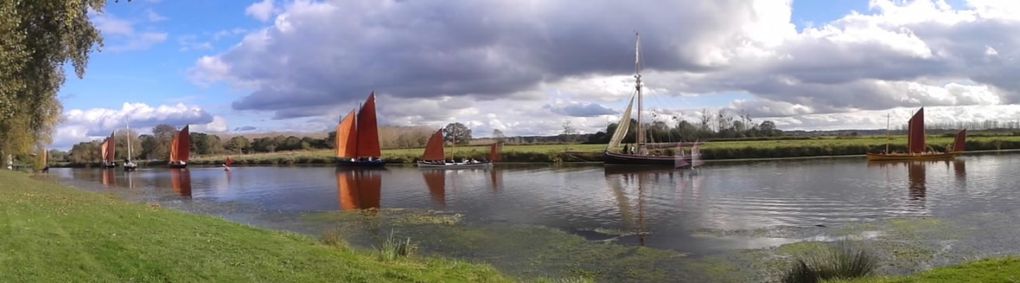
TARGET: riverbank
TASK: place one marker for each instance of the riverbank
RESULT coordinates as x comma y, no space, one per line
985,270
712,151
55,233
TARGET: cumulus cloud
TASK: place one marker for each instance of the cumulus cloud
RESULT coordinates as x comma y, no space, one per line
260,10
80,125
479,62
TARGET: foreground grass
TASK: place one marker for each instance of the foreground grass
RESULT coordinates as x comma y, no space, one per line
715,150
49,232
986,270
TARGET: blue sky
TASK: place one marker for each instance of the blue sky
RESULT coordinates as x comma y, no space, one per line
283,65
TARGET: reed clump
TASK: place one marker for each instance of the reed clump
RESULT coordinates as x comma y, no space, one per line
842,262
393,248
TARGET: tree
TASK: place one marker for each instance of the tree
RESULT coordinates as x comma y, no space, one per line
498,135
458,133
37,38
238,144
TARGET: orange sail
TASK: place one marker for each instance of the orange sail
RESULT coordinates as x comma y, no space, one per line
173,147
960,143
368,131
184,144
109,149
915,133
434,148
347,137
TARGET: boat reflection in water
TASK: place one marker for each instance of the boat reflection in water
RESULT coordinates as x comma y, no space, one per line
358,188
435,180
180,181
109,178
917,174
638,181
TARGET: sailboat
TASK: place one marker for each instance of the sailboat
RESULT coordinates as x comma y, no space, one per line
435,156
357,138
917,149
180,148
108,150
641,152
128,164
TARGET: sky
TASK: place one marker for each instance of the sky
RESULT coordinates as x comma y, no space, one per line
531,67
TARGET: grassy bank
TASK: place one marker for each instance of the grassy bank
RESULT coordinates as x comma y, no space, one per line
985,270
716,150
54,233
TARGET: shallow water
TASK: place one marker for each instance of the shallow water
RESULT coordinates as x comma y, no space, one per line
715,211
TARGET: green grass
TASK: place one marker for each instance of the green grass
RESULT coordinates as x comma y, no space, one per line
985,270
53,233
715,150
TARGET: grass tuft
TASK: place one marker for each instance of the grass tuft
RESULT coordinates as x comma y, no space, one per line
394,248
842,262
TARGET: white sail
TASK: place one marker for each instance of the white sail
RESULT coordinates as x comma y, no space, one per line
621,128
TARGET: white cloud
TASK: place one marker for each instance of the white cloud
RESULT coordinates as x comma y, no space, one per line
261,11
120,34
80,125
498,64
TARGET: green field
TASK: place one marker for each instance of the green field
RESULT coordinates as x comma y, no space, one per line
52,233
985,270
715,150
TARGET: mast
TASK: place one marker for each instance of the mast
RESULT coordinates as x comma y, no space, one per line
887,137
128,134
637,85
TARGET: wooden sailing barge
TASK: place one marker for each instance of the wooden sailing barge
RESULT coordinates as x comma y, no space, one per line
642,152
357,138
435,156
917,148
180,148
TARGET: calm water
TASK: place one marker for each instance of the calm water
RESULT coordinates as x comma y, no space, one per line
716,209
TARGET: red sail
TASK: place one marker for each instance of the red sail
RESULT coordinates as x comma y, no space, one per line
184,144
173,147
109,149
347,137
915,133
368,131
434,148
494,152
960,143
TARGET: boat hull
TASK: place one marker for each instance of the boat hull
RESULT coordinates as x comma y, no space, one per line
130,168
909,156
178,165
455,165
108,165
633,159
360,163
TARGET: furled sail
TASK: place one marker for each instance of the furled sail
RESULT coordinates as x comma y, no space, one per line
434,148
960,142
621,128
368,131
915,133
347,137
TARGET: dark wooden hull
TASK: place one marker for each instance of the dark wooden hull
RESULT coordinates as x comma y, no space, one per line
633,159
178,165
424,165
360,163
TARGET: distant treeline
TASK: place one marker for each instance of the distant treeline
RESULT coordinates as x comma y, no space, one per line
722,125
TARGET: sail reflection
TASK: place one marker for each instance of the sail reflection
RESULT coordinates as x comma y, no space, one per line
916,173
436,182
358,189
109,178
496,179
620,178
180,181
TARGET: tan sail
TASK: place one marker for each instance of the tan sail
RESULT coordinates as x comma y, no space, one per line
347,137
621,128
